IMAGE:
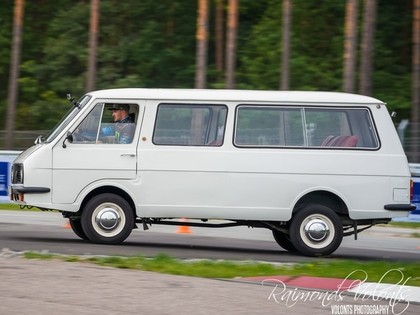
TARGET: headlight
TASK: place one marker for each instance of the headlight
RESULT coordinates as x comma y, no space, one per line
17,173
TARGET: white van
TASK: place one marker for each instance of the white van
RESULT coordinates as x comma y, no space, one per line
310,166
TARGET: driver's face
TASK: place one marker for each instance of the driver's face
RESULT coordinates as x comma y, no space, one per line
118,114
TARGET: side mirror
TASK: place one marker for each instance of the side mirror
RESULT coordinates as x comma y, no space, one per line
69,138
39,140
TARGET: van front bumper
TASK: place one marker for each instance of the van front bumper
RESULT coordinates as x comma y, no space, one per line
17,192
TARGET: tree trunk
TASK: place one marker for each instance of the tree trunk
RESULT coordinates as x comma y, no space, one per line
201,49
219,35
366,65
232,29
415,106
285,56
93,44
350,40
14,71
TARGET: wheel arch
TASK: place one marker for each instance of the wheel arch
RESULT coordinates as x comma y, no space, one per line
325,198
109,189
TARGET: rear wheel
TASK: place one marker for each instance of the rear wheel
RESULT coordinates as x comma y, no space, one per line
316,230
107,219
283,240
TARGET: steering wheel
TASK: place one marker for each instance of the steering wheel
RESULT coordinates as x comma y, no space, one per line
81,137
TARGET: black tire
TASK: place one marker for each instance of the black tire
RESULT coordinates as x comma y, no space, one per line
76,226
107,219
283,240
316,230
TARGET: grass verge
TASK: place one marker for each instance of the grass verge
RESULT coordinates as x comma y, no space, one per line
377,271
13,206
9,206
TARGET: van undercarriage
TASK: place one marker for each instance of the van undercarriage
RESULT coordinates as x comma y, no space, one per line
350,227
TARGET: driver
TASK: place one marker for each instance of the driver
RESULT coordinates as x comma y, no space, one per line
124,125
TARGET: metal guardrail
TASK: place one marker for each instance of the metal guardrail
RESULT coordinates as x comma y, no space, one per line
21,139
409,134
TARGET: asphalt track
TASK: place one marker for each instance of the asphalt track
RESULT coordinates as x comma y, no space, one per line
48,231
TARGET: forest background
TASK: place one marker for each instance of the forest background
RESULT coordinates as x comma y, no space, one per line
151,43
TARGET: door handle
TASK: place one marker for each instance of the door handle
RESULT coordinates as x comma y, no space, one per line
129,155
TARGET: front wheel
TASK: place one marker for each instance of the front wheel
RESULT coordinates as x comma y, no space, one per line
316,230
107,219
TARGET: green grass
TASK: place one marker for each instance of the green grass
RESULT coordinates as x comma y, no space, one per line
9,206
13,206
383,271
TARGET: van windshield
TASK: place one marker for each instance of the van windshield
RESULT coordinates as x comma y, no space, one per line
67,118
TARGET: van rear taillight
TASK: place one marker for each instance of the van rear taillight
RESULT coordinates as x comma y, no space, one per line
411,190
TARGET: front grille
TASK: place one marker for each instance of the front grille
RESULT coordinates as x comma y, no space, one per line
17,173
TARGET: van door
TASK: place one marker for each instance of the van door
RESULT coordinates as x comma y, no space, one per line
99,149
183,170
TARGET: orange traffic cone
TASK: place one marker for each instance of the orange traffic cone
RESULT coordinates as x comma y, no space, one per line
67,225
183,229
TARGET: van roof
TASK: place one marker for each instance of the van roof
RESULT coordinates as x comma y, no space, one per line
236,95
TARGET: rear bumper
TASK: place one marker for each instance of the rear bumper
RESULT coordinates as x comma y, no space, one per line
400,207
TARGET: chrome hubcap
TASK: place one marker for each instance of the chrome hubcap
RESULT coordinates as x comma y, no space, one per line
316,230
108,219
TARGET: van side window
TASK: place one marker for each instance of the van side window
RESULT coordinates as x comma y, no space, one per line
318,127
108,123
190,125
87,131
269,126
340,127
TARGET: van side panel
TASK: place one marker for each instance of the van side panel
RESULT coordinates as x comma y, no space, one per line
261,184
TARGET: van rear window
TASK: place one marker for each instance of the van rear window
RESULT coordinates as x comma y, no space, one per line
283,126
